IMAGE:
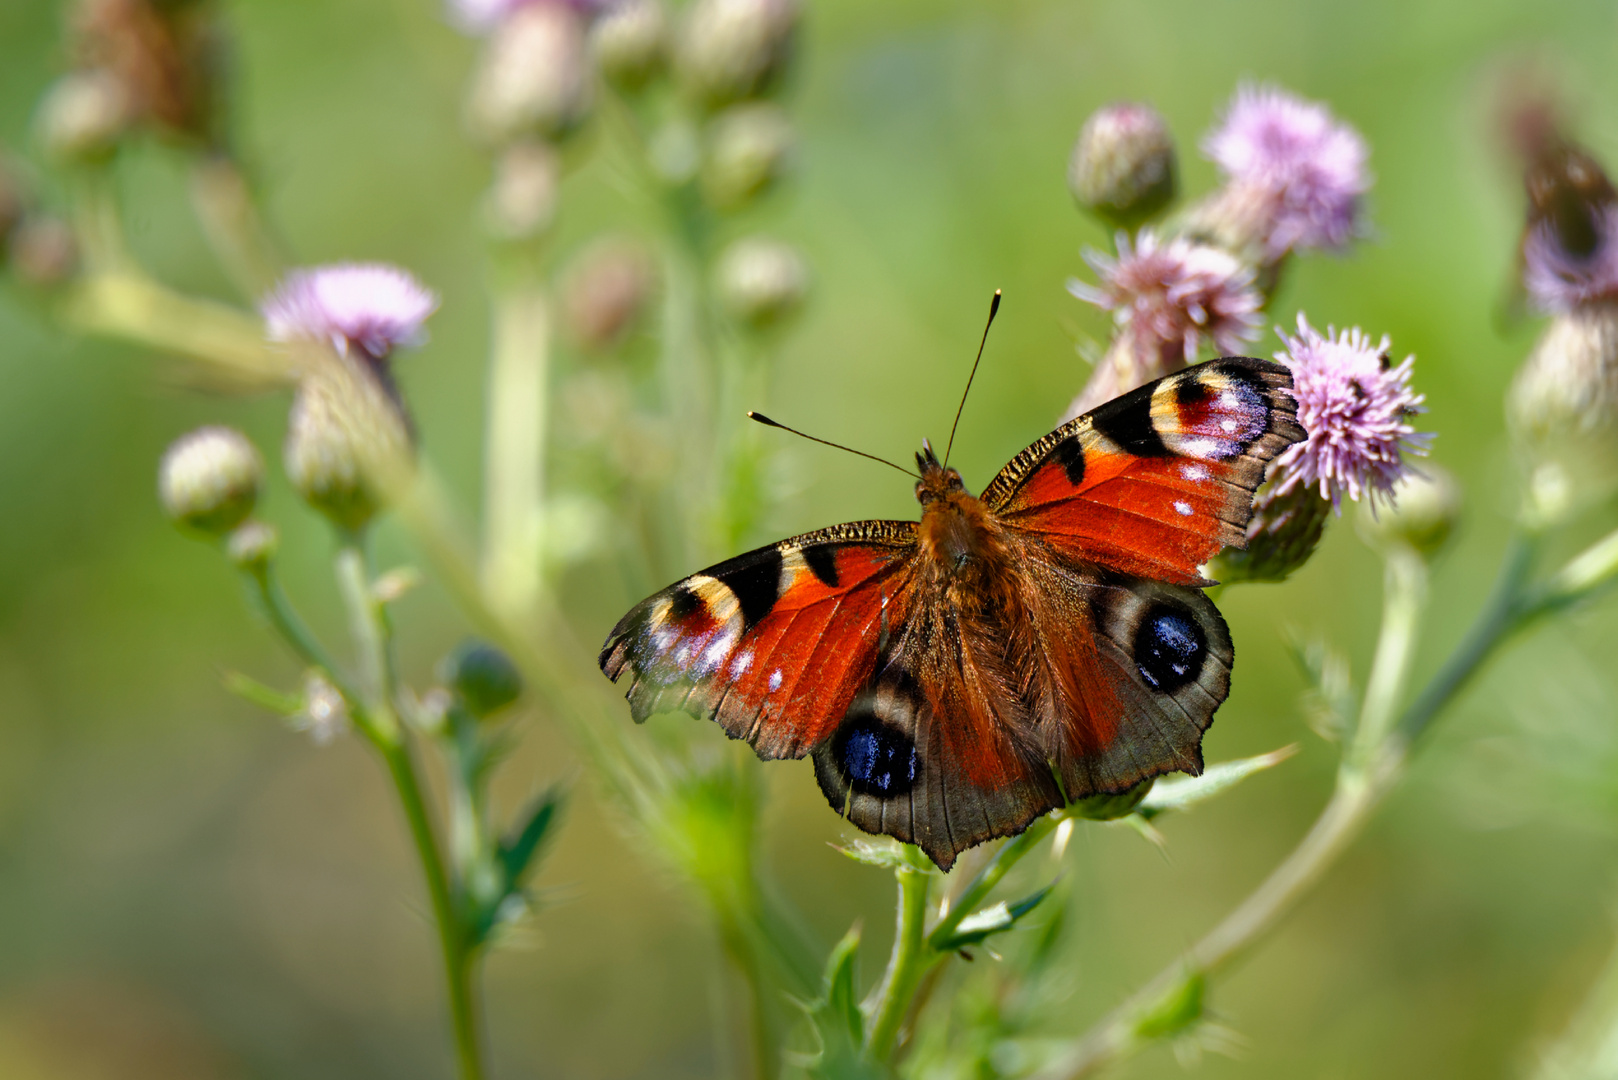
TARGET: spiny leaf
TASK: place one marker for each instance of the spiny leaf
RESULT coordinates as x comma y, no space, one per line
884,853
994,919
1329,702
839,1025
1184,792
519,847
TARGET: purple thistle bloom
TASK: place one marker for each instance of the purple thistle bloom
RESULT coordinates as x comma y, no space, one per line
1310,168
1174,293
371,307
482,16
1356,410
1560,280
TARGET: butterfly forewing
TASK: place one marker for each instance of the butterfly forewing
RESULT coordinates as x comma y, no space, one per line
772,644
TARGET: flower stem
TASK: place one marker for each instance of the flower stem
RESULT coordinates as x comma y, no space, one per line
372,639
514,465
907,964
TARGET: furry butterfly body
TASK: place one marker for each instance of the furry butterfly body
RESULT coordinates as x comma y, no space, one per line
957,677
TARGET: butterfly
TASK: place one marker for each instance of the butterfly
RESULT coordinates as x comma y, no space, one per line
955,678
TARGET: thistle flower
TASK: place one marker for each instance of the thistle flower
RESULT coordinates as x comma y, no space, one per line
606,291
1123,167
1356,409
371,308
1557,278
348,441
1175,293
629,42
1296,174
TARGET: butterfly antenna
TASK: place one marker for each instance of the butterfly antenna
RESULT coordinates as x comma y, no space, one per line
767,422
994,308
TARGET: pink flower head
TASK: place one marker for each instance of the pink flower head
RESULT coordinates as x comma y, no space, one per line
1175,292
371,307
1356,410
482,16
1311,167
1560,280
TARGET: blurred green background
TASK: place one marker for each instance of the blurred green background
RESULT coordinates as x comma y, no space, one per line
188,890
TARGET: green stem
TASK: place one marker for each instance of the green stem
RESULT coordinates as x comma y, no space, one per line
514,464
991,875
372,639
906,966
223,201
1405,594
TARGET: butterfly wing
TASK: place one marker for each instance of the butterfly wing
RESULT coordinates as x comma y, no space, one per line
773,644
1157,481
1112,515
938,749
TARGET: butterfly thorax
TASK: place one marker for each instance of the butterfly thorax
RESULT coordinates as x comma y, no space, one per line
962,549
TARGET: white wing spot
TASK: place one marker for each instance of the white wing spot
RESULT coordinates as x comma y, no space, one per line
1184,508
775,680
1207,449
1194,472
1228,425
743,661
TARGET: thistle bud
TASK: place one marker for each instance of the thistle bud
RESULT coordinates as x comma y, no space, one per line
253,546
346,439
729,50
482,678
1283,533
534,78
1123,165
749,147
521,203
761,282
209,480
1563,404
606,292
1421,514
44,252
83,116
629,41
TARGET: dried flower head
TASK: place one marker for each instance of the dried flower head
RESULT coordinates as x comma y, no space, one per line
1558,278
1308,168
482,16
1175,293
369,307
1356,408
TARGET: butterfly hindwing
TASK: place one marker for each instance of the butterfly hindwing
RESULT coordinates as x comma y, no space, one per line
772,644
1155,482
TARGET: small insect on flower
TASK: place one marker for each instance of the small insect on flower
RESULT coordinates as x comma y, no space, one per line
1306,169
369,307
1175,293
1356,408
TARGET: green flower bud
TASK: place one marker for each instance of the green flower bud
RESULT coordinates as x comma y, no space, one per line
749,147
629,40
253,546
44,252
762,282
482,678
521,203
1282,535
346,440
83,116
1424,509
534,77
209,480
1563,409
1123,167
729,50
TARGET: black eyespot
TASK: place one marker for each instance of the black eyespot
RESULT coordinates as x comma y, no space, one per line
875,758
1169,648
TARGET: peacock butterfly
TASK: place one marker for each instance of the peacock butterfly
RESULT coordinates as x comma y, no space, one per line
954,679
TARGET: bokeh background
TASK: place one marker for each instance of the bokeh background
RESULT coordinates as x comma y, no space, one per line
189,890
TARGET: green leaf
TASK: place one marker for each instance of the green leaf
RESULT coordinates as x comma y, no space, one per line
1184,792
1174,1012
249,688
1329,703
839,1025
993,919
885,853
517,850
